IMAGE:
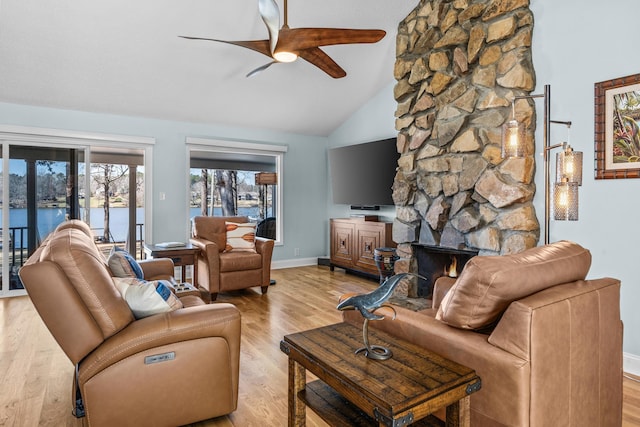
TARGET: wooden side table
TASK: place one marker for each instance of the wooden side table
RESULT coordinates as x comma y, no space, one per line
181,257
353,390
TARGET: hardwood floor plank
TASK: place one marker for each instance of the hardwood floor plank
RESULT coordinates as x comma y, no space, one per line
631,401
35,375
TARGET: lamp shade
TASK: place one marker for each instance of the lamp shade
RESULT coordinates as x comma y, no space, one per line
565,200
266,178
513,143
569,165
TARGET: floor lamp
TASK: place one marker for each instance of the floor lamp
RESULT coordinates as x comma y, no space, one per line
265,179
568,162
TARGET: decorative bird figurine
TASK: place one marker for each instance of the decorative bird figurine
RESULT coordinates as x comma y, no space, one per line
367,304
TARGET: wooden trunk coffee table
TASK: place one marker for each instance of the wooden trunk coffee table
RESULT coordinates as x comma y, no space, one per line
353,390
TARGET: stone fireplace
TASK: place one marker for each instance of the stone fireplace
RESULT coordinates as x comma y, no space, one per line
459,66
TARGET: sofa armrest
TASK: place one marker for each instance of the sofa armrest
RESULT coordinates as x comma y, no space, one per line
440,289
208,264
205,246
157,268
264,247
571,334
217,320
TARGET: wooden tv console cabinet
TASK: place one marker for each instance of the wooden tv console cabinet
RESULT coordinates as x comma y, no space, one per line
353,241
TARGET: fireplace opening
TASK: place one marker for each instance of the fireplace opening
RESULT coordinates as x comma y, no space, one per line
437,261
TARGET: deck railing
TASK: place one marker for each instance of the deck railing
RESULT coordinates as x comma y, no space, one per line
18,252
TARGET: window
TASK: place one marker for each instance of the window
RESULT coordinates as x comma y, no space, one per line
230,178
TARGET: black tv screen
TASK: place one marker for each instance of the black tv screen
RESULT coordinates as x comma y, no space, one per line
362,174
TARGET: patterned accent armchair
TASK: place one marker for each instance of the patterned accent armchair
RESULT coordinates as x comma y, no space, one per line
223,268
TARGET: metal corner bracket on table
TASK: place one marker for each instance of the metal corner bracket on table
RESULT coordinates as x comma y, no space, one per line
398,422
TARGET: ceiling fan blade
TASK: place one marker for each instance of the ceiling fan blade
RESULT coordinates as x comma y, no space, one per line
303,38
320,59
261,46
271,17
260,69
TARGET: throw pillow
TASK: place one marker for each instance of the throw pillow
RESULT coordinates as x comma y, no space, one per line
241,237
488,284
122,264
147,298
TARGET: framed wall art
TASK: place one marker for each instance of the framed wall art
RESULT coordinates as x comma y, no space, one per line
617,128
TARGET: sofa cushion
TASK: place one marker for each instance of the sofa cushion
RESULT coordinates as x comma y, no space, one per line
239,261
241,237
488,284
122,264
146,298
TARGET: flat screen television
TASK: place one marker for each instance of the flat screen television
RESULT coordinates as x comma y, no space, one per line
362,174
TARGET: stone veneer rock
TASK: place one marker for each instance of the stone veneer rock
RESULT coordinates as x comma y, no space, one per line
459,65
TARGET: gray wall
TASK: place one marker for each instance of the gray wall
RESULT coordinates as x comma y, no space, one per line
304,165
373,121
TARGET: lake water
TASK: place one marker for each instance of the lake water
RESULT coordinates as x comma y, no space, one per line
50,218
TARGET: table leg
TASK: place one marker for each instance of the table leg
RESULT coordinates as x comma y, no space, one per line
297,382
195,271
458,413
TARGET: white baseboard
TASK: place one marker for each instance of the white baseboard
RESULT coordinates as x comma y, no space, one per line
295,262
631,364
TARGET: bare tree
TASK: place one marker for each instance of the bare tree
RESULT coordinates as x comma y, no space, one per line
227,189
262,206
106,177
46,187
204,192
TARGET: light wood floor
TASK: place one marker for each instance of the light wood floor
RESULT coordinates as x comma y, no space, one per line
35,375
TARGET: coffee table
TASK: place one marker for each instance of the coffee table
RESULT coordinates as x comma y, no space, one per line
353,390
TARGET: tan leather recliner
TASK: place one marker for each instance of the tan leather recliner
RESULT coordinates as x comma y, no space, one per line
220,271
167,369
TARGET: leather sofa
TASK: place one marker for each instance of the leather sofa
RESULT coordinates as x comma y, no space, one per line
221,269
546,343
167,369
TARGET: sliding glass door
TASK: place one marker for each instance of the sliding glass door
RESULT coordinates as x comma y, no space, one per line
116,189
42,185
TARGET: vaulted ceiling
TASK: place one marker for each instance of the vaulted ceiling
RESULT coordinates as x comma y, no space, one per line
125,57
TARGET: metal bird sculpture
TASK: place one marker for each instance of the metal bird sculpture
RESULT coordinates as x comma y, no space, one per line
367,304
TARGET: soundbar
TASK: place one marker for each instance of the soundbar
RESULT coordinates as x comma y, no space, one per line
365,208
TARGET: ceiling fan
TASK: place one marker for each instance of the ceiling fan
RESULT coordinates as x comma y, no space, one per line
288,44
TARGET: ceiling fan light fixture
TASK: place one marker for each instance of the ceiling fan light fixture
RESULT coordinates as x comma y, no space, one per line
285,44
284,56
